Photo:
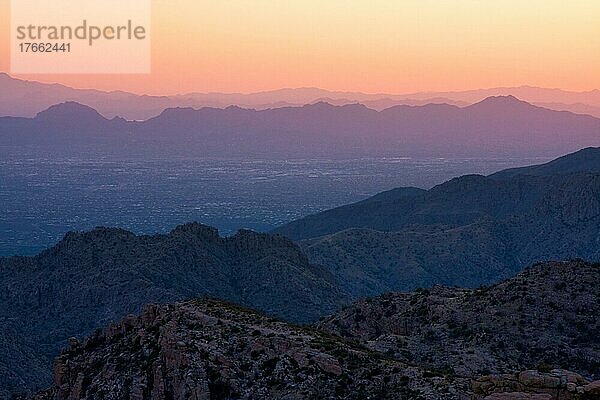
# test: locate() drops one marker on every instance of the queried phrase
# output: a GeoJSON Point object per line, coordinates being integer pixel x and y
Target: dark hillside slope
{"type": "Point", "coordinates": [459, 201]}
{"type": "Point", "coordinates": [584, 160]}
{"type": "Point", "coordinates": [548, 313]}
{"type": "Point", "coordinates": [451, 247]}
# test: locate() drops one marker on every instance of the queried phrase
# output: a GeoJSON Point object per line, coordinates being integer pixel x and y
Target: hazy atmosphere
{"type": "Point", "coordinates": [299, 200]}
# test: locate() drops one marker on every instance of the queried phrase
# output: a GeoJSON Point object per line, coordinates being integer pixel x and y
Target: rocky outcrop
{"type": "Point", "coordinates": [431, 344]}
{"type": "Point", "coordinates": [554, 385]}
{"type": "Point", "coordinates": [215, 350]}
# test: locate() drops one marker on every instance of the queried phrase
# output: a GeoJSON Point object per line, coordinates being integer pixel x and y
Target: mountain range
{"type": "Point", "coordinates": [496, 126]}
{"type": "Point", "coordinates": [468, 231]}
{"type": "Point", "coordinates": [455, 199]}
{"type": "Point", "coordinates": [22, 98]}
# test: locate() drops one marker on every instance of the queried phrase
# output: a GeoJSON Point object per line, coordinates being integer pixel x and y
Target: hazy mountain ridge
{"type": "Point", "coordinates": [26, 98]}
{"type": "Point", "coordinates": [585, 160]}
{"type": "Point", "coordinates": [459, 200]}
{"type": "Point", "coordinates": [495, 126]}
{"type": "Point", "coordinates": [90, 279]}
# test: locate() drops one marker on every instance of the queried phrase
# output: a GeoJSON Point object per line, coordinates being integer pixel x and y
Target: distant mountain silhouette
{"type": "Point", "coordinates": [495, 104]}
{"type": "Point", "coordinates": [495, 126]}
{"type": "Point", "coordinates": [467, 231]}
{"type": "Point", "coordinates": [69, 111]}
{"type": "Point", "coordinates": [71, 116]}
{"type": "Point", "coordinates": [587, 102]}
{"type": "Point", "coordinates": [26, 98]}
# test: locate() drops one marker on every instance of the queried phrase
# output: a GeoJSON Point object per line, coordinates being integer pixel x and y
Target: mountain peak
{"type": "Point", "coordinates": [319, 105]}
{"type": "Point", "coordinates": [355, 106]}
{"type": "Point", "coordinates": [502, 105]}
{"type": "Point", "coordinates": [176, 111]}
{"type": "Point", "coordinates": [326, 106]}
{"type": "Point", "coordinates": [509, 99]}
{"type": "Point", "coordinates": [70, 110]}
{"type": "Point", "coordinates": [234, 107]}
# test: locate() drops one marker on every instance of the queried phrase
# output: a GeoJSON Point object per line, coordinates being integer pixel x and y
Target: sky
{"type": "Point", "coordinates": [372, 46]}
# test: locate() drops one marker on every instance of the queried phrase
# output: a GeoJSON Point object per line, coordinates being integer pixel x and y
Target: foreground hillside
{"type": "Point", "coordinates": [469, 231]}
{"type": "Point", "coordinates": [549, 314]}
{"type": "Point", "coordinates": [90, 279]}
{"type": "Point", "coordinates": [431, 344]}
{"type": "Point", "coordinates": [214, 350]}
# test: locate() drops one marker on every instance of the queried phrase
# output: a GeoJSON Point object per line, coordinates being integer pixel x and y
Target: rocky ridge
{"type": "Point", "coordinates": [531, 337]}
{"type": "Point", "coordinates": [210, 349]}
{"type": "Point", "coordinates": [545, 315]}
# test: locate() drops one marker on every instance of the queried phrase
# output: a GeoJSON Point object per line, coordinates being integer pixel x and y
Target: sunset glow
{"type": "Point", "coordinates": [370, 46]}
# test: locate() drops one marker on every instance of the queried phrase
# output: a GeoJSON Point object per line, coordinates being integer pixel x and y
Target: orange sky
{"type": "Point", "coordinates": [393, 46]}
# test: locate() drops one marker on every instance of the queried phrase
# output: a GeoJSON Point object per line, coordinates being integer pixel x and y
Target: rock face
{"type": "Point", "coordinates": [546, 315]}
{"type": "Point", "coordinates": [90, 279]}
{"type": "Point", "coordinates": [214, 350]}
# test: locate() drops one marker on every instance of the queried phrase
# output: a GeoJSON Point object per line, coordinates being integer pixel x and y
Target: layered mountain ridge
{"type": "Point", "coordinates": [468, 231]}
{"type": "Point", "coordinates": [90, 279]}
{"type": "Point", "coordinates": [26, 98]}
{"type": "Point", "coordinates": [495, 126]}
